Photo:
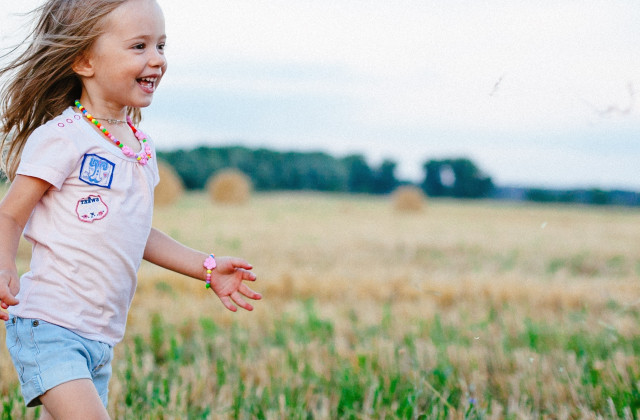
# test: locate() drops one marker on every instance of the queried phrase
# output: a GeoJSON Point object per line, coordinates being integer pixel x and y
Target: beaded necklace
{"type": "Point", "coordinates": [110, 121]}
{"type": "Point", "coordinates": [145, 150]}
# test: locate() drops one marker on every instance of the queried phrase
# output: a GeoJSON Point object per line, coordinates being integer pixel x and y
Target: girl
{"type": "Point", "coordinates": [82, 191]}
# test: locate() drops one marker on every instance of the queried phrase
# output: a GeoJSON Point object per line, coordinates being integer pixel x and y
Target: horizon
{"type": "Point", "coordinates": [403, 181]}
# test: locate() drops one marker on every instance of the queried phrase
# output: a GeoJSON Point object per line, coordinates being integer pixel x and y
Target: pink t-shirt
{"type": "Point", "coordinates": [89, 230]}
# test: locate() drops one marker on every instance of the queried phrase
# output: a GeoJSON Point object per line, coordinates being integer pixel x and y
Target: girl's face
{"type": "Point", "coordinates": [125, 65]}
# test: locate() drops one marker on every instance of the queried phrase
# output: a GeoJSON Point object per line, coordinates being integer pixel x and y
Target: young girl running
{"type": "Point", "coordinates": [82, 192]}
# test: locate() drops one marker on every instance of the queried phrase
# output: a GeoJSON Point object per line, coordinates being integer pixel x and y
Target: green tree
{"type": "Point", "coordinates": [432, 184]}
{"type": "Point", "coordinates": [459, 178]}
{"type": "Point", "coordinates": [360, 177]}
{"type": "Point", "coordinates": [385, 178]}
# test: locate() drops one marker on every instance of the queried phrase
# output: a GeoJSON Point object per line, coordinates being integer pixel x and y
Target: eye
{"type": "Point", "coordinates": [161, 46]}
{"type": "Point", "coordinates": [140, 46]}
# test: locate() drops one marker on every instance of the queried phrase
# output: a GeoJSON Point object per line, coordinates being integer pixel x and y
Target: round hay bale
{"type": "Point", "coordinates": [170, 188]}
{"type": "Point", "coordinates": [229, 186]}
{"type": "Point", "coordinates": [408, 198]}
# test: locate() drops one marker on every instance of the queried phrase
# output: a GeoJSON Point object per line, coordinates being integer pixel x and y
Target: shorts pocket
{"type": "Point", "coordinates": [43, 334]}
{"type": "Point", "coordinates": [14, 345]}
{"type": "Point", "coordinates": [12, 334]}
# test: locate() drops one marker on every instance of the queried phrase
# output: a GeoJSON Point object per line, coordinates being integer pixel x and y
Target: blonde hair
{"type": "Point", "coordinates": [39, 83]}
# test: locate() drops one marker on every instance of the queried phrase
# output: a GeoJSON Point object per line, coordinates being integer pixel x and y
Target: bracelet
{"type": "Point", "coordinates": [209, 264]}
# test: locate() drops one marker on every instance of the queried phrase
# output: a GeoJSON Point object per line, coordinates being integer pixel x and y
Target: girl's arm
{"type": "Point", "coordinates": [15, 210]}
{"type": "Point", "coordinates": [227, 279]}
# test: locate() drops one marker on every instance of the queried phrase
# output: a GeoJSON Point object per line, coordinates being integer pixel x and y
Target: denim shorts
{"type": "Point", "coordinates": [46, 355]}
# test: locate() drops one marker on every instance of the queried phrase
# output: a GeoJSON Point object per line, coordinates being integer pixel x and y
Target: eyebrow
{"type": "Point", "coordinates": [145, 37]}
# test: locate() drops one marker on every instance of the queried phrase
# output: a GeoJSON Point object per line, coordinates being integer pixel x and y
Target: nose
{"type": "Point", "coordinates": [157, 58]}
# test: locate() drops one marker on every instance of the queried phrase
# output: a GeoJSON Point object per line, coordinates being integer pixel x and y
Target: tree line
{"type": "Point", "coordinates": [271, 170]}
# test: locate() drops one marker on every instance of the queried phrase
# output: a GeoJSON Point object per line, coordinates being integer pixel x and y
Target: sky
{"type": "Point", "coordinates": [538, 93]}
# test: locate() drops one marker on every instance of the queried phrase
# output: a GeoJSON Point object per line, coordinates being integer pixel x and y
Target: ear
{"type": "Point", "coordinates": [82, 65]}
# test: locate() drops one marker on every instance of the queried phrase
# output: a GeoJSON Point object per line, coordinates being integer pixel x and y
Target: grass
{"type": "Point", "coordinates": [465, 310]}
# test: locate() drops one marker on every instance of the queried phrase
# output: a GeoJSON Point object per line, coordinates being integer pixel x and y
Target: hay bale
{"type": "Point", "coordinates": [408, 198]}
{"type": "Point", "coordinates": [229, 186]}
{"type": "Point", "coordinates": [170, 188]}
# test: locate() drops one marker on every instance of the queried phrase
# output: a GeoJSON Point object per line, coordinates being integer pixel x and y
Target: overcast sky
{"type": "Point", "coordinates": [536, 93]}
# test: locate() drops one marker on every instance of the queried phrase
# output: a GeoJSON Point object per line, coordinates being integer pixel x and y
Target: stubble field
{"type": "Point", "coordinates": [463, 310]}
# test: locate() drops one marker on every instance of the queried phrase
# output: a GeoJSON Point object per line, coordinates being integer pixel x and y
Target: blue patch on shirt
{"type": "Point", "coordinates": [96, 170]}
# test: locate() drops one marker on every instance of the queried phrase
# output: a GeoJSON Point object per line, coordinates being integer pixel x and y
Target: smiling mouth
{"type": "Point", "coordinates": [148, 84]}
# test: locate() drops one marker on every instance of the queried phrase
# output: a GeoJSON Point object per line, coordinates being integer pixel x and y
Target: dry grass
{"type": "Point", "coordinates": [229, 186]}
{"type": "Point", "coordinates": [463, 263]}
{"type": "Point", "coordinates": [460, 258]}
{"type": "Point", "coordinates": [489, 274]}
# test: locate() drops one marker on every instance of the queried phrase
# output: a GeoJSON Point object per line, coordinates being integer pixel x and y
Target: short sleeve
{"type": "Point", "coordinates": [48, 155]}
{"type": "Point", "coordinates": [154, 166]}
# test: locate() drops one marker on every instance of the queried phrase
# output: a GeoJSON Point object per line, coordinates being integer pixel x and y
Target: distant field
{"type": "Point", "coordinates": [464, 310]}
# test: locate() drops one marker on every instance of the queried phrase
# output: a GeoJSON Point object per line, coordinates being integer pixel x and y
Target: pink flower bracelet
{"type": "Point", "coordinates": [209, 264]}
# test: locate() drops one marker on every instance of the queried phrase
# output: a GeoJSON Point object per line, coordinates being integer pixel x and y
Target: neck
{"type": "Point", "coordinates": [104, 111]}
{"type": "Point", "coordinates": [110, 120]}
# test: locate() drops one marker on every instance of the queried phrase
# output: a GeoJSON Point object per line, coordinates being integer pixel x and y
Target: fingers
{"type": "Point", "coordinates": [236, 297]}
{"type": "Point", "coordinates": [226, 301]}
{"type": "Point", "coordinates": [7, 299]}
{"type": "Point", "coordinates": [240, 263]}
{"type": "Point", "coordinates": [3, 315]}
{"type": "Point", "coordinates": [239, 300]}
{"type": "Point", "coordinates": [245, 274]}
{"type": "Point", "coordinates": [248, 292]}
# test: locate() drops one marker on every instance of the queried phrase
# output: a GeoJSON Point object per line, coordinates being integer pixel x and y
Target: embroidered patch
{"type": "Point", "coordinates": [96, 170]}
{"type": "Point", "coordinates": [91, 208]}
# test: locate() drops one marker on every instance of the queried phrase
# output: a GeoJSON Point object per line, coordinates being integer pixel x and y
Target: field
{"type": "Point", "coordinates": [463, 310]}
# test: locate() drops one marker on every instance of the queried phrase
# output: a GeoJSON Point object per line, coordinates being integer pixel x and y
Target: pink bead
{"type": "Point", "coordinates": [210, 262]}
{"type": "Point", "coordinates": [146, 150]}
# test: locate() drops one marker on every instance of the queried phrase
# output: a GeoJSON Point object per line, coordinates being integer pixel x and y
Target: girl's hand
{"type": "Point", "coordinates": [227, 282]}
{"type": "Point", "coordinates": [9, 287]}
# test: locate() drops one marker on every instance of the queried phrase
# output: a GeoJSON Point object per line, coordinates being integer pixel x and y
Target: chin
{"type": "Point", "coordinates": [141, 103]}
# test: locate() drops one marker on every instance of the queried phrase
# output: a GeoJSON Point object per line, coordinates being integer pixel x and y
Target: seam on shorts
{"type": "Point", "coordinates": [32, 330]}
{"type": "Point", "coordinates": [105, 358]}
{"type": "Point", "coordinates": [15, 352]}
